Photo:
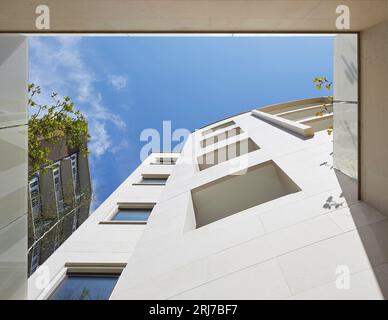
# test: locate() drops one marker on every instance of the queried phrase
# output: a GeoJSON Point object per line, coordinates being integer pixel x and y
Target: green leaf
{"type": "Point", "coordinates": [57, 122]}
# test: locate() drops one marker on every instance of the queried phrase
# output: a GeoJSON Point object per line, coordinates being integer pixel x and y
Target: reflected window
{"type": "Point", "coordinates": [85, 287]}
{"type": "Point", "coordinates": [35, 197]}
{"type": "Point", "coordinates": [134, 215]}
{"type": "Point", "coordinates": [58, 187]}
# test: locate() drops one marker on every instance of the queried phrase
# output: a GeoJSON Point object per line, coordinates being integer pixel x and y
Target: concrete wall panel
{"type": "Point", "coordinates": [374, 115]}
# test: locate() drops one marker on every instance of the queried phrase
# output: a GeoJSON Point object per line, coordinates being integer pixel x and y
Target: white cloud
{"type": "Point", "coordinates": [95, 200]}
{"type": "Point", "coordinates": [101, 140]}
{"type": "Point", "coordinates": [120, 147]}
{"type": "Point", "coordinates": [58, 64]}
{"type": "Point", "coordinates": [118, 82]}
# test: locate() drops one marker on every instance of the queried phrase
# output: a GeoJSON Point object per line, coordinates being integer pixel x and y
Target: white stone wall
{"type": "Point", "coordinates": [374, 113]}
{"type": "Point", "coordinates": [317, 243]}
{"type": "Point", "coordinates": [293, 247]}
{"type": "Point", "coordinates": [101, 243]}
{"type": "Point", "coordinates": [345, 83]}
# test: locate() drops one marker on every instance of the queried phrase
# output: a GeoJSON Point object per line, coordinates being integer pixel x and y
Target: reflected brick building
{"type": "Point", "coordinates": [58, 202]}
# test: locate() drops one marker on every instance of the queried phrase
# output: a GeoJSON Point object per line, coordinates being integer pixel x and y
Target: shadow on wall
{"type": "Point", "coordinates": [374, 235]}
{"type": "Point", "coordinates": [351, 70]}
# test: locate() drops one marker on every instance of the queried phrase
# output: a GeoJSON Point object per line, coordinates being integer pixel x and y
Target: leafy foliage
{"type": "Point", "coordinates": [50, 124]}
{"type": "Point", "coordinates": [322, 81]}
{"type": "Point", "coordinates": [319, 83]}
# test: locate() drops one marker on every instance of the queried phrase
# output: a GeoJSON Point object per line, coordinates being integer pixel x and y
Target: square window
{"type": "Point", "coordinates": [154, 181]}
{"type": "Point", "coordinates": [85, 287]}
{"type": "Point", "coordinates": [129, 213]}
{"type": "Point", "coordinates": [132, 215]}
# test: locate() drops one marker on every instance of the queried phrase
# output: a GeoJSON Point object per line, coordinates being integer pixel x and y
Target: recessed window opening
{"type": "Point", "coordinates": [165, 160]}
{"type": "Point", "coordinates": [219, 127]}
{"type": "Point", "coordinates": [259, 184]}
{"type": "Point", "coordinates": [129, 213]}
{"type": "Point", "coordinates": [221, 137]}
{"type": "Point", "coordinates": [153, 180]}
{"type": "Point", "coordinates": [132, 214]}
{"type": "Point", "coordinates": [87, 283]}
{"type": "Point", "coordinates": [226, 153]}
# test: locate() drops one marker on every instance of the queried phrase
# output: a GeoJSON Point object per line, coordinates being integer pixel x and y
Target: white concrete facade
{"type": "Point", "coordinates": [374, 111]}
{"type": "Point", "coordinates": [96, 241]}
{"type": "Point", "coordinates": [289, 248]}
{"type": "Point", "coordinates": [298, 245]}
{"type": "Point", "coordinates": [368, 17]}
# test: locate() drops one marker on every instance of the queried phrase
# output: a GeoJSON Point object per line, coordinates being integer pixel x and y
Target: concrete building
{"type": "Point", "coordinates": [304, 257]}
{"type": "Point", "coordinates": [252, 208]}
{"type": "Point", "coordinates": [58, 202]}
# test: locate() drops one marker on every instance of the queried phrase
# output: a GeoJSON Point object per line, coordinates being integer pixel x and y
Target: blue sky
{"type": "Point", "coordinates": [127, 84]}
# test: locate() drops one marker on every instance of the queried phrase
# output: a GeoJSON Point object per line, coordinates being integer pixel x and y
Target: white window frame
{"type": "Point", "coordinates": [77, 268]}
{"type": "Point", "coordinates": [127, 205]}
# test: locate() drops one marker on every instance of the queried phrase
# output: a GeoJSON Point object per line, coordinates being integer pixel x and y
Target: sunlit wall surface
{"type": "Point", "coordinates": [345, 135]}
